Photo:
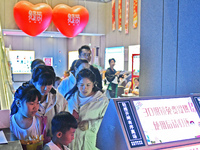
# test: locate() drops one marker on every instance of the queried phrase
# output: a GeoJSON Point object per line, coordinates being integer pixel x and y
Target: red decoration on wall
{"type": "Point", "coordinates": [120, 15]}
{"type": "Point", "coordinates": [135, 19]}
{"type": "Point", "coordinates": [70, 21]}
{"type": "Point", "coordinates": [32, 19]}
{"type": "Point", "coordinates": [113, 15]}
{"type": "Point", "coordinates": [126, 16]}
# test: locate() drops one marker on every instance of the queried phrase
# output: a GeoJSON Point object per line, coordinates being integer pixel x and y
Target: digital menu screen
{"type": "Point", "coordinates": [168, 120]}
{"type": "Point", "coordinates": [130, 124]}
{"type": "Point", "coordinates": [21, 61]}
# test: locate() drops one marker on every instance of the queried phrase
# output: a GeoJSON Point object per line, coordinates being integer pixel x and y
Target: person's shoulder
{"type": "Point", "coordinates": [94, 69]}
{"type": "Point", "coordinates": [101, 95]}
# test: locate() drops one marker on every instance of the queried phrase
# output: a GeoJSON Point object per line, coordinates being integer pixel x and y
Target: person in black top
{"type": "Point", "coordinates": [85, 53]}
{"type": "Point", "coordinates": [112, 77]}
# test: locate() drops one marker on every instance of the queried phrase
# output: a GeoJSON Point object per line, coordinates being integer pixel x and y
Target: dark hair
{"type": "Point", "coordinates": [62, 122]}
{"type": "Point", "coordinates": [79, 62]}
{"type": "Point", "coordinates": [44, 75]}
{"type": "Point", "coordinates": [57, 79]}
{"type": "Point", "coordinates": [111, 60]}
{"type": "Point", "coordinates": [35, 63]}
{"type": "Point", "coordinates": [72, 67]}
{"type": "Point", "coordinates": [85, 73]}
{"type": "Point", "coordinates": [137, 79]}
{"type": "Point", "coordinates": [76, 64]}
{"type": "Point", "coordinates": [26, 92]}
{"type": "Point", "coordinates": [83, 47]}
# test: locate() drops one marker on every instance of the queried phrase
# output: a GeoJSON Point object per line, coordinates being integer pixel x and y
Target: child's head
{"type": "Point", "coordinates": [43, 78]}
{"type": "Point", "coordinates": [63, 127]}
{"type": "Point", "coordinates": [66, 74]}
{"type": "Point", "coordinates": [136, 80]}
{"type": "Point", "coordinates": [35, 63]}
{"type": "Point", "coordinates": [26, 100]}
{"type": "Point", "coordinates": [86, 82]}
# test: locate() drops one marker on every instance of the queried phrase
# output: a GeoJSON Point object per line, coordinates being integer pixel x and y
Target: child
{"type": "Point", "coordinates": [23, 122]}
{"type": "Point", "coordinates": [63, 129]}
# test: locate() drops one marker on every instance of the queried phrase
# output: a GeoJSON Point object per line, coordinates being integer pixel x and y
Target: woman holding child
{"type": "Point", "coordinates": [88, 104]}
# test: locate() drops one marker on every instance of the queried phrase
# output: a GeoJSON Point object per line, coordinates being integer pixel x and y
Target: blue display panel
{"type": "Point", "coordinates": [130, 123]}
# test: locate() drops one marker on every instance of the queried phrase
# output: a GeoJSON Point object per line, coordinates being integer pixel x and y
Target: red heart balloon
{"type": "Point", "coordinates": [70, 21]}
{"type": "Point", "coordinates": [32, 19]}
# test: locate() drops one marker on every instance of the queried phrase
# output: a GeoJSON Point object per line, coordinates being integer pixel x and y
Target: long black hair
{"type": "Point", "coordinates": [26, 92]}
{"type": "Point", "coordinates": [85, 73]}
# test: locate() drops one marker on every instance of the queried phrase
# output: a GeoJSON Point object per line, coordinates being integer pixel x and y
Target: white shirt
{"type": "Point", "coordinates": [67, 84]}
{"type": "Point", "coordinates": [53, 146]}
{"type": "Point", "coordinates": [24, 134]}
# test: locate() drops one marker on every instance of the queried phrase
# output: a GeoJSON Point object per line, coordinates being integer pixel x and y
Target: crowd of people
{"type": "Point", "coordinates": [67, 111]}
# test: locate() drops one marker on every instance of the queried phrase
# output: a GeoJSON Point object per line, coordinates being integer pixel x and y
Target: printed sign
{"type": "Point", "coordinates": [130, 124]}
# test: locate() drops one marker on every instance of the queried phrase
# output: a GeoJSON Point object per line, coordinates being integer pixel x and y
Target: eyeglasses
{"type": "Point", "coordinates": [86, 54]}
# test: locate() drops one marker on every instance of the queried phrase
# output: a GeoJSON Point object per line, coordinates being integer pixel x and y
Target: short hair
{"type": "Point", "coordinates": [83, 47]}
{"type": "Point", "coordinates": [44, 75]}
{"type": "Point", "coordinates": [26, 92]}
{"type": "Point", "coordinates": [111, 60]}
{"type": "Point", "coordinates": [35, 63]}
{"type": "Point", "coordinates": [62, 122]}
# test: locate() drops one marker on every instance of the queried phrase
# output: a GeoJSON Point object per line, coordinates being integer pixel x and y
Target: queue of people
{"type": "Point", "coordinates": [64, 111]}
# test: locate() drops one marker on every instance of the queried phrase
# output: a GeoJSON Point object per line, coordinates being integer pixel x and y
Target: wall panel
{"type": "Point", "coordinates": [170, 47]}
{"type": "Point", "coordinates": [151, 47]}
{"type": "Point", "coordinates": [188, 71]}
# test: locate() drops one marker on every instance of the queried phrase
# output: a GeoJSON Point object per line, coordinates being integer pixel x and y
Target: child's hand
{"type": "Point", "coordinates": [83, 125]}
